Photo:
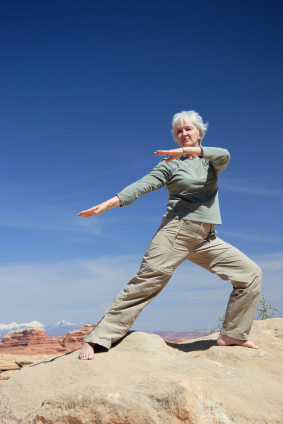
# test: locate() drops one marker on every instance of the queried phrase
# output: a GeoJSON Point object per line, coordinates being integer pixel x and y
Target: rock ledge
{"type": "Point", "coordinates": [143, 380]}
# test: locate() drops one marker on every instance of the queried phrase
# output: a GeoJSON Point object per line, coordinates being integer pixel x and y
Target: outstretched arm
{"type": "Point", "coordinates": [103, 207]}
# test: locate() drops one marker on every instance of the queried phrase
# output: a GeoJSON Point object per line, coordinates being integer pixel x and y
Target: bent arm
{"type": "Point", "coordinates": [218, 158]}
{"type": "Point", "coordinates": [103, 207]}
{"type": "Point", "coordinates": [178, 153]}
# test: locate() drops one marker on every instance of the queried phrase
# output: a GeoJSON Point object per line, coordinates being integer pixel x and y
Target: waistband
{"type": "Point", "coordinates": [204, 226]}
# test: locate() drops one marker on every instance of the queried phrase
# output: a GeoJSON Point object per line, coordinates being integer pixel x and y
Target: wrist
{"type": "Point", "coordinates": [117, 201]}
{"type": "Point", "coordinates": [112, 203]}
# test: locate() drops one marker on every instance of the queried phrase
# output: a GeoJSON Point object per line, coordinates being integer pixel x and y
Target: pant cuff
{"type": "Point", "coordinates": [97, 340]}
{"type": "Point", "coordinates": [238, 336]}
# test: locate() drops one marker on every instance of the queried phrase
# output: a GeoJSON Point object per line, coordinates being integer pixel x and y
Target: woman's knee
{"type": "Point", "coordinates": [248, 278]}
{"type": "Point", "coordinates": [257, 272]}
{"type": "Point", "coordinates": [149, 279]}
{"type": "Point", "coordinates": [259, 277]}
{"type": "Point", "coordinates": [253, 273]}
{"type": "Point", "coordinates": [255, 281]}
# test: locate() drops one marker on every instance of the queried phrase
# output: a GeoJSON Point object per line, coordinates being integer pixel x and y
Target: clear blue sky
{"type": "Point", "coordinates": [88, 91]}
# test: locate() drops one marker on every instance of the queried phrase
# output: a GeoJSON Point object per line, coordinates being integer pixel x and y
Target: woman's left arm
{"type": "Point", "coordinates": [178, 153]}
{"type": "Point", "coordinates": [218, 158]}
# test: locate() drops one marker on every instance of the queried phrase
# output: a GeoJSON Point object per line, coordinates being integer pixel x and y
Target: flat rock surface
{"type": "Point", "coordinates": [143, 380]}
{"type": "Point", "coordinates": [10, 364]}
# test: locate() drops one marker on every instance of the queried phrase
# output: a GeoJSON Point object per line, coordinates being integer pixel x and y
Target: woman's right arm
{"type": "Point", "coordinates": [150, 182]}
{"type": "Point", "coordinates": [153, 181]}
{"type": "Point", "coordinates": [103, 207]}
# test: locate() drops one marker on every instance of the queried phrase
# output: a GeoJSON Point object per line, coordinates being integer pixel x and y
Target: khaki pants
{"type": "Point", "coordinates": [175, 241]}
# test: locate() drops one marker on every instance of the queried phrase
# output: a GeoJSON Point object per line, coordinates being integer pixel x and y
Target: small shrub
{"type": "Point", "coordinates": [264, 311]}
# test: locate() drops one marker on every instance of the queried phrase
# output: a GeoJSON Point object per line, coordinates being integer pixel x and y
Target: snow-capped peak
{"type": "Point", "coordinates": [61, 327]}
{"type": "Point", "coordinates": [6, 328]}
{"type": "Point", "coordinates": [34, 324]}
{"type": "Point", "coordinates": [63, 322]}
{"type": "Point", "coordinates": [15, 326]}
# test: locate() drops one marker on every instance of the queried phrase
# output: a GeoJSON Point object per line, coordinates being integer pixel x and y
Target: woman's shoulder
{"type": "Point", "coordinates": [172, 165]}
{"type": "Point", "coordinates": [166, 168]}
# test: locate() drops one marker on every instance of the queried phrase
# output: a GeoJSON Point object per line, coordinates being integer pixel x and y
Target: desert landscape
{"type": "Point", "coordinates": [24, 347]}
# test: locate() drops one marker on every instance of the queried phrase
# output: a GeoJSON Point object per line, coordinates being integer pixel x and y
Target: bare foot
{"type": "Point", "coordinates": [227, 341]}
{"type": "Point", "coordinates": [87, 351]}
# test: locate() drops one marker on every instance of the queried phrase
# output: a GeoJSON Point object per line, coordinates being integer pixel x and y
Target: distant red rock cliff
{"type": "Point", "coordinates": [34, 341]}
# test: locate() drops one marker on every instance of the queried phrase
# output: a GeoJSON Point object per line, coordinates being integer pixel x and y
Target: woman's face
{"type": "Point", "coordinates": [187, 134]}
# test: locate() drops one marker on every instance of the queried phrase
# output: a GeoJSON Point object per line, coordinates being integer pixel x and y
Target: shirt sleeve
{"type": "Point", "coordinates": [218, 158]}
{"type": "Point", "coordinates": [150, 182]}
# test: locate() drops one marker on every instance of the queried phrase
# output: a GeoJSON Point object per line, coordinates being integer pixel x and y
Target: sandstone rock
{"type": "Point", "coordinates": [29, 341]}
{"type": "Point", "coordinates": [23, 337]}
{"type": "Point", "coordinates": [9, 363]}
{"type": "Point", "coordinates": [5, 375]}
{"type": "Point", "coordinates": [143, 380]}
{"type": "Point", "coordinates": [74, 339]}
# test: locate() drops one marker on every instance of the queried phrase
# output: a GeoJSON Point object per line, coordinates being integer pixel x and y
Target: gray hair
{"type": "Point", "coordinates": [190, 115]}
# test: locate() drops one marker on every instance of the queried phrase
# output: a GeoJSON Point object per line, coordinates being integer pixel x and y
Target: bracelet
{"type": "Point", "coordinates": [184, 152]}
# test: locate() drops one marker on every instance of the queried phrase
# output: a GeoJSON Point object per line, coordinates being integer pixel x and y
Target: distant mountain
{"type": "Point", "coordinates": [62, 327]}
{"type": "Point", "coordinates": [5, 329]}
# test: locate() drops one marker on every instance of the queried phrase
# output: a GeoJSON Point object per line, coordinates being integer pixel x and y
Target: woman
{"type": "Point", "coordinates": [190, 175]}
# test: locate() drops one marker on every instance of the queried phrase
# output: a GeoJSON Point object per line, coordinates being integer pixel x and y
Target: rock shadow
{"type": "Point", "coordinates": [193, 346]}
{"type": "Point", "coordinates": [184, 347]}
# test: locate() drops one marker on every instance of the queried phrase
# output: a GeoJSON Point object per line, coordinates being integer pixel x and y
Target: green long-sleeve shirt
{"type": "Point", "coordinates": [192, 185]}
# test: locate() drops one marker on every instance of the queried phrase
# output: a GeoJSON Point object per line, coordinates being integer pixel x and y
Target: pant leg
{"type": "Point", "coordinates": [229, 263]}
{"type": "Point", "coordinates": [156, 270]}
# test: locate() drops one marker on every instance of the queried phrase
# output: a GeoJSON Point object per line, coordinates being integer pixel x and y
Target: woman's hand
{"type": "Point", "coordinates": [103, 207]}
{"type": "Point", "coordinates": [173, 153]}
